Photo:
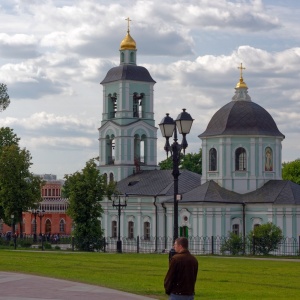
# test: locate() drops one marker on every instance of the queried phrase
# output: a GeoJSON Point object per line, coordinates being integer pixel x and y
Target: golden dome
{"type": "Point", "coordinates": [241, 84]}
{"type": "Point", "coordinates": [128, 43]}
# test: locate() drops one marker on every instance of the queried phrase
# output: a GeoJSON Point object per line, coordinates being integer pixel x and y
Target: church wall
{"type": "Point", "coordinates": [240, 181]}
{"type": "Point", "coordinates": [202, 220]}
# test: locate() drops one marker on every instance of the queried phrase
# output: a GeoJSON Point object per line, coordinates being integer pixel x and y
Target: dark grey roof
{"type": "Point", "coordinates": [161, 183]}
{"type": "Point", "coordinates": [128, 72]}
{"type": "Point", "coordinates": [158, 182]}
{"type": "Point", "coordinates": [241, 118]}
{"type": "Point", "coordinates": [276, 192]}
{"type": "Point", "coordinates": [210, 191]}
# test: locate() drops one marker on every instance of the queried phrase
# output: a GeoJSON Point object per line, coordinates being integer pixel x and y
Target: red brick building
{"type": "Point", "coordinates": [53, 219]}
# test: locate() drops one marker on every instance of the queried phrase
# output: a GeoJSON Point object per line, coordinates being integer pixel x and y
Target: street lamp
{"type": "Point", "coordinates": [34, 212]}
{"type": "Point", "coordinates": [168, 126]}
{"type": "Point", "coordinates": [12, 225]}
{"type": "Point", "coordinates": [41, 214]}
{"type": "Point", "coordinates": [119, 206]}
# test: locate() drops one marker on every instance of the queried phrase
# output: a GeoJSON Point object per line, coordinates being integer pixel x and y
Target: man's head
{"type": "Point", "coordinates": [181, 244]}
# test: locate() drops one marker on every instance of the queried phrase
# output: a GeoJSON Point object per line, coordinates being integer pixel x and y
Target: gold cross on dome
{"type": "Point", "coordinates": [241, 69]}
{"type": "Point", "coordinates": [128, 20]}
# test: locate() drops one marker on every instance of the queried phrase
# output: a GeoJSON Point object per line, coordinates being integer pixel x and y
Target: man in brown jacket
{"type": "Point", "coordinates": [181, 277]}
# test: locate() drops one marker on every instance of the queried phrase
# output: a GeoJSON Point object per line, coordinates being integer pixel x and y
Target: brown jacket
{"type": "Point", "coordinates": [182, 274]}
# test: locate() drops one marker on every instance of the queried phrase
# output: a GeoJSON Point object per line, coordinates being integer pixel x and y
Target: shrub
{"type": "Point", "coordinates": [47, 246]}
{"type": "Point", "coordinates": [265, 238]}
{"type": "Point", "coordinates": [233, 244]}
{"type": "Point", "coordinates": [24, 243]}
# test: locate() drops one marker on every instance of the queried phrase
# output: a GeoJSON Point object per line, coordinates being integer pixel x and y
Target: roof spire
{"type": "Point", "coordinates": [241, 89]}
{"type": "Point", "coordinates": [128, 42]}
{"type": "Point", "coordinates": [241, 83]}
{"type": "Point", "coordinates": [241, 68]}
{"type": "Point", "coordinates": [128, 20]}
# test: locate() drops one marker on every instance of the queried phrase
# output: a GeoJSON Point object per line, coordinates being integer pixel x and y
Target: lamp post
{"type": "Point", "coordinates": [34, 212]}
{"type": "Point", "coordinates": [12, 225]}
{"type": "Point", "coordinates": [168, 126]}
{"type": "Point", "coordinates": [41, 214]}
{"type": "Point", "coordinates": [119, 207]}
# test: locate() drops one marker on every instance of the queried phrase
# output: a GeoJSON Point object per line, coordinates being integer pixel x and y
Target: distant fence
{"type": "Point", "coordinates": [197, 245]}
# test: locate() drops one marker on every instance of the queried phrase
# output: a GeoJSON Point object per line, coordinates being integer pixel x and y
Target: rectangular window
{"type": "Point", "coordinates": [147, 231]}
{"type": "Point", "coordinates": [114, 229]}
{"type": "Point", "coordinates": [130, 230]}
{"type": "Point", "coordinates": [236, 229]}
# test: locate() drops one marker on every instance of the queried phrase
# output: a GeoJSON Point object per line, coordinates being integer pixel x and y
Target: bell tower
{"type": "Point", "coordinates": [127, 136]}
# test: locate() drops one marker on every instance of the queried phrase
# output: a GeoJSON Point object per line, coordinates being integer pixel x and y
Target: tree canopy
{"type": "Point", "coordinates": [189, 161]}
{"type": "Point", "coordinates": [19, 188]}
{"type": "Point", "coordinates": [291, 171]}
{"type": "Point", "coordinates": [85, 191]}
{"type": "Point", "coordinates": [4, 97]}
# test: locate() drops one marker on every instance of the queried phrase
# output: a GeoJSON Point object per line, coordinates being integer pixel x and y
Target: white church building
{"type": "Point", "coordinates": [240, 186]}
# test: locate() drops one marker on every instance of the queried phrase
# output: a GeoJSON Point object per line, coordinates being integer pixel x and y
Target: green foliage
{"type": "Point", "coordinates": [47, 246]}
{"type": "Point", "coordinates": [85, 191]}
{"type": "Point", "coordinates": [19, 188]}
{"type": "Point", "coordinates": [4, 97]}
{"type": "Point", "coordinates": [266, 238]}
{"type": "Point", "coordinates": [8, 137]}
{"type": "Point", "coordinates": [189, 161]}
{"type": "Point", "coordinates": [192, 162]}
{"type": "Point", "coordinates": [291, 171]}
{"type": "Point", "coordinates": [234, 244]}
{"type": "Point", "coordinates": [166, 164]}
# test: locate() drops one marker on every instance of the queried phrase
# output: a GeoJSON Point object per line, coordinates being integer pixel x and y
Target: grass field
{"type": "Point", "coordinates": [218, 278]}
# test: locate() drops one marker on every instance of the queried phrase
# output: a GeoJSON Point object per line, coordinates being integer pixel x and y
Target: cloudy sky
{"type": "Point", "coordinates": [55, 53]}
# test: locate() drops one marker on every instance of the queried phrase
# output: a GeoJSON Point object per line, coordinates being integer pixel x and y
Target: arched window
{"type": "Point", "coordinates": [48, 227]}
{"type": "Point", "coordinates": [212, 159]}
{"type": "Point", "coordinates": [112, 105]}
{"type": "Point", "coordinates": [122, 57]}
{"type": "Point", "coordinates": [132, 57]}
{"type": "Point", "coordinates": [62, 226]}
{"type": "Point", "coordinates": [147, 230]}
{"type": "Point", "coordinates": [110, 149]}
{"type": "Point", "coordinates": [114, 229]}
{"type": "Point", "coordinates": [130, 230]}
{"type": "Point", "coordinates": [105, 178]}
{"type": "Point", "coordinates": [268, 159]}
{"type": "Point", "coordinates": [240, 159]}
{"type": "Point", "coordinates": [111, 177]}
{"type": "Point", "coordinates": [138, 105]}
{"type": "Point", "coordinates": [236, 229]}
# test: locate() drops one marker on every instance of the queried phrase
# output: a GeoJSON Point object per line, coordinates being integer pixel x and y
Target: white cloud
{"type": "Point", "coordinates": [54, 54]}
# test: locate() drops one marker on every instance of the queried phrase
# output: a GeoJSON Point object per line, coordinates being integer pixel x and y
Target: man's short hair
{"type": "Point", "coordinates": [183, 242]}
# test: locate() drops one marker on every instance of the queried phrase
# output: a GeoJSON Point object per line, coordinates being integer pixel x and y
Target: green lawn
{"type": "Point", "coordinates": [218, 278]}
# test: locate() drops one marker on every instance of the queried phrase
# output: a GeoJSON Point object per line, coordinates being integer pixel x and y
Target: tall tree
{"type": "Point", "coordinates": [85, 191]}
{"type": "Point", "coordinates": [4, 97]}
{"type": "Point", "coordinates": [189, 161]}
{"type": "Point", "coordinates": [19, 188]}
{"type": "Point", "coordinates": [291, 171]}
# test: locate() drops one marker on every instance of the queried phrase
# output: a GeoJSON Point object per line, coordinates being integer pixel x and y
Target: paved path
{"type": "Point", "coordinates": [15, 286]}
